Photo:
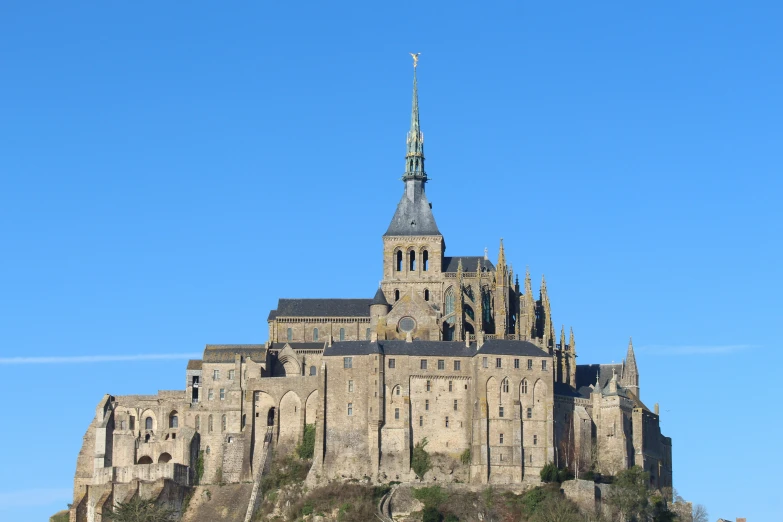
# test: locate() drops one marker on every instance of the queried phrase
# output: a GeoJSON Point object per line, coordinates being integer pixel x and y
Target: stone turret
{"type": "Point", "coordinates": [630, 377]}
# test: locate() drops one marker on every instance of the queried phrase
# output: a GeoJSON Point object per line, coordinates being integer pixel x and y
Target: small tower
{"type": "Point", "coordinates": [572, 360]}
{"type": "Point", "coordinates": [501, 293]}
{"type": "Point", "coordinates": [630, 375]}
{"type": "Point", "coordinates": [458, 305]}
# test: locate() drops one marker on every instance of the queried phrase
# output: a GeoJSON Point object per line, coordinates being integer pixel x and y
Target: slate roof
{"type": "Point", "coordinates": [224, 353]}
{"type": "Point", "coordinates": [435, 348]}
{"type": "Point", "coordinates": [380, 298]}
{"type": "Point", "coordinates": [321, 308]}
{"type": "Point", "coordinates": [413, 216]}
{"type": "Point", "coordinates": [194, 364]}
{"type": "Point", "coordinates": [299, 346]}
{"type": "Point", "coordinates": [585, 374]}
{"type": "Point", "coordinates": [469, 263]}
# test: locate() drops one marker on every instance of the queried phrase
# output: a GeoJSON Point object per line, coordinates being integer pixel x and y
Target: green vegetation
{"type": "Point", "coordinates": [138, 510]}
{"type": "Point", "coordinates": [420, 463]}
{"type": "Point", "coordinates": [353, 502]}
{"type": "Point", "coordinates": [61, 516]}
{"type": "Point", "coordinates": [200, 467]}
{"type": "Point", "coordinates": [549, 472]}
{"type": "Point", "coordinates": [283, 472]}
{"type": "Point", "coordinates": [306, 448]}
{"type": "Point", "coordinates": [465, 457]}
{"type": "Point", "coordinates": [432, 496]}
{"type": "Point", "coordinates": [632, 499]}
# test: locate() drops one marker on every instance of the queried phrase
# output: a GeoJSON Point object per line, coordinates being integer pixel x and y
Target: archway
{"type": "Point", "coordinates": [145, 460]}
{"type": "Point", "coordinates": [164, 457]}
{"type": "Point", "coordinates": [290, 419]}
{"type": "Point", "coordinates": [270, 417]}
{"type": "Point", "coordinates": [311, 407]}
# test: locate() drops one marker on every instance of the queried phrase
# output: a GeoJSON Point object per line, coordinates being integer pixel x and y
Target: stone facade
{"type": "Point", "coordinates": [450, 349]}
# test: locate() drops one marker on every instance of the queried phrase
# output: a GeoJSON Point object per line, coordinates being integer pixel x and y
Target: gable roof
{"type": "Point", "coordinates": [225, 353]}
{"type": "Point", "coordinates": [329, 307]}
{"type": "Point", "coordinates": [469, 263]}
{"type": "Point", "coordinates": [434, 348]}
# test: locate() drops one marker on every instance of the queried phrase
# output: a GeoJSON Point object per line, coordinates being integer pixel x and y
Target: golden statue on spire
{"type": "Point", "coordinates": [415, 59]}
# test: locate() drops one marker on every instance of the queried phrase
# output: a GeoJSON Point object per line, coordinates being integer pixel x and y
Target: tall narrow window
{"type": "Point", "coordinates": [148, 423]}
{"type": "Point", "coordinates": [289, 334]}
{"type": "Point", "coordinates": [173, 420]}
{"type": "Point", "coordinates": [350, 409]}
{"type": "Point", "coordinates": [516, 364]}
{"type": "Point", "coordinates": [132, 423]}
{"type": "Point", "coordinates": [222, 394]}
{"type": "Point", "coordinates": [530, 413]}
{"type": "Point", "coordinates": [501, 411]}
{"type": "Point", "coordinates": [543, 364]}
{"type": "Point", "coordinates": [399, 260]}
{"type": "Point", "coordinates": [231, 374]}
{"type": "Point", "coordinates": [315, 334]}
{"type": "Point", "coordinates": [484, 362]}
{"type": "Point", "coordinates": [342, 334]}
{"type": "Point", "coordinates": [530, 364]}
{"type": "Point", "coordinates": [456, 404]}
{"type": "Point", "coordinates": [223, 423]}
{"type": "Point", "coordinates": [449, 301]}
{"type": "Point", "coordinates": [198, 423]}
{"type": "Point", "coordinates": [426, 294]}
{"type": "Point", "coordinates": [350, 386]}
{"type": "Point", "coordinates": [216, 374]}
{"type": "Point", "coordinates": [505, 385]}
{"type": "Point", "coordinates": [412, 265]}
{"type": "Point", "coordinates": [456, 365]}
{"type": "Point", "coordinates": [429, 386]}
{"type": "Point", "coordinates": [501, 438]}
{"type": "Point", "coordinates": [421, 420]}
{"type": "Point", "coordinates": [447, 422]}
{"type": "Point", "coordinates": [398, 390]}
{"type": "Point", "coordinates": [367, 334]}
{"type": "Point", "coordinates": [397, 413]}
{"type": "Point", "coordinates": [313, 370]}
{"type": "Point", "coordinates": [396, 295]}
{"type": "Point", "coordinates": [427, 404]}
{"type": "Point", "coordinates": [498, 363]}
{"type": "Point", "coordinates": [523, 388]}
{"type": "Point", "coordinates": [451, 384]}
{"type": "Point", "coordinates": [425, 260]}
{"type": "Point", "coordinates": [535, 439]}
{"type": "Point", "coordinates": [209, 424]}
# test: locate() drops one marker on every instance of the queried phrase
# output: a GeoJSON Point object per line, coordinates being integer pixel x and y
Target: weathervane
{"type": "Point", "coordinates": [415, 59]}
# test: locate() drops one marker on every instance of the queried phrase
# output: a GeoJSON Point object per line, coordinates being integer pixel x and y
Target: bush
{"type": "Point", "coordinates": [590, 475]}
{"type": "Point", "coordinates": [465, 457]}
{"type": "Point", "coordinates": [420, 463]}
{"type": "Point", "coordinates": [549, 473]}
{"type": "Point", "coordinates": [138, 510]}
{"type": "Point", "coordinates": [306, 448]}
{"type": "Point", "coordinates": [431, 514]}
{"type": "Point", "coordinates": [564, 474]}
{"type": "Point", "coordinates": [200, 467]}
{"type": "Point", "coordinates": [432, 496]}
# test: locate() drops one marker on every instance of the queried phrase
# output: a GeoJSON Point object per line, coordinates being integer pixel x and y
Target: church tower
{"type": "Point", "coordinates": [412, 245]}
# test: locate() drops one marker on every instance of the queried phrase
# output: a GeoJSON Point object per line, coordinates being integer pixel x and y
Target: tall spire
{"type": "Point", "coordinates": [414, 158]}
{"type": "Point", "coordinates": [631, 371]}
{"type": "Point", "coordinates": [414, 213]}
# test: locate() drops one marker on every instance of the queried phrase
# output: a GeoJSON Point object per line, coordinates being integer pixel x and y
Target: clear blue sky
{"type": "Point", "coordinates": [168, 170]}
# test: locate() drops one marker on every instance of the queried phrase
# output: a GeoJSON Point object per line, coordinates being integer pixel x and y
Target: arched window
{"type": "Point", "coordinates": [450, 301]}
{"type": "Point", "coordinates": [523, 388]}
{"type": "Point", "coordinates": [505, 385]}
{"type": "Point", "coordinates": [198, 423]}
{"type": "Point", "coordinates": [164, 457]}
{"type": "Point", "coordinates": [289, 334]}
{"type": "Point", "coordinates": [312, 370]}
{"type": "Point", "coordinates": [412, 257]}
{"type": "Point", "coordinates": [425, 260]}
{"type": "Point", "coordinates": [146, 459]}
{"type": "Point", "coordinates": [315, 334]}
{"type": "Point", "coordinates": [173, 420]}
{"type": "Point", "coordinates": [396, 295]}
{"type": "Point", "coordinates": [209, 424]}
{"type": "Point", "coordinates": [426, 294]}
{"type": "Point", "coordinates": [342, 334]}
{"type": "Point", "coordinates": [399, 260]}
{"type": "Point", "coordinates": [223, 423]}
{"type": "Point", "coordinates": [148, 423]}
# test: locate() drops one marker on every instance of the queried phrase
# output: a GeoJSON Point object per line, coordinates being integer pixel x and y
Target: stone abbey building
{"type": "Point", "coordinates": [453, 349]}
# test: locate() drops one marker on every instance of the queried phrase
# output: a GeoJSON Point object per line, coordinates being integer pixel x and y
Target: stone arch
{"type": "Point", "coordinates": [153, 423]}
{"type": "Point", "coordinates": [263, 403]}
{"type": "Point", "coordinates": [290, 364]}
{"type": "Point", "coordinates": [290, 426]}
{"type": "Point", "coordinates": [164, 457]}
{"type": "Point", "coordinates": [311, 407]}
{"type": "Point", "coordinates": [173, 419]}
{"type": "Point", "coordinates": [146, 459]}
{"type": "Point", "coordinates": [524, 389]}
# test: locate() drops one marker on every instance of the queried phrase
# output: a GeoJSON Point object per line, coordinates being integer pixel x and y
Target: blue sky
{"type": "Point", "coordinates": [169, 170]}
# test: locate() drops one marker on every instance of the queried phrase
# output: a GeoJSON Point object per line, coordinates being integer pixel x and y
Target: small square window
{"type": "Point", "coordinates": [391, 363]}
{"type": "Point", "coordinates": [423, 363]}
{"type": "Point", "coordinates": [456, 366]}
{"type": "Point", "coordinates": [222, 394]}
{"type": "Point", "coordinates": [347, 362]}
{"type": "Point", "coordinates": [543, 364]}
{"type": "Point", "coordinates": [484, 363]}
{"type": "Point", "coordinates": [501, 411]}
{"type": "Point", "coordinates": [231, 375]}
{"type": "Point", "coordinates": [350, 386]}
{"type": "Point", "coordinates": [441, 364]}
{"type": "Point", "coordinates": [516, 364]}
{"type": "Point", "coordinates": [530, 364]}
{"type": "Point", "coordinates": [215, 375]}
{"type": "Point", "coordinates": [498, 363]}
{"type": "Point", "coordinates": [350, 409]}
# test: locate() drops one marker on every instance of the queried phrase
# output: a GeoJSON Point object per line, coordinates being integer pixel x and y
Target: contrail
{"type": "Point", "coordinates": [86, 359]}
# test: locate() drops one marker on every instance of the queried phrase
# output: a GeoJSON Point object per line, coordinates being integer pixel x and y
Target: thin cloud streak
{"type": "Point", "coordinates": [89, 359]}
{"type": "Point", "coordinates": [695, 349]}
{"type": "Point", "coordinates": [35, 497]}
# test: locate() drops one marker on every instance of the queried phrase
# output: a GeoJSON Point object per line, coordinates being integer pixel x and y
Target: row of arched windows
{"type": "Point", "coordinates": [425, 260]}
{"type": "Point", "coordinates": [223, 423]}
{"type": "Point", "coordinates": [149, 422]}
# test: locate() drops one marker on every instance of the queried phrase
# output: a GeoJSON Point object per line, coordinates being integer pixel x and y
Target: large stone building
{"type": "Point", "coordinates": [450, 348]}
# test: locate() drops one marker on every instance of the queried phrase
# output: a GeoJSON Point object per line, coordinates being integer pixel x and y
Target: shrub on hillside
{"type": "Point", "coordinates": [138, 510]}
{"type": "Point", "coordinates": [306, 448]}
{"type": "Point", "coordinates": [549, 473]}
{"type": "Point", "coordinates": [420, 463]}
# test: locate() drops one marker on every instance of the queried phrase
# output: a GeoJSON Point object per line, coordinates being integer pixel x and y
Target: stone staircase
{"type": "Point", "coordinates": [259, 471]}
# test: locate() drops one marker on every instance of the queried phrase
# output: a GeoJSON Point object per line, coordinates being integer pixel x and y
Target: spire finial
{"type": "Point", "coordinates": [414, 158]}
{"type": "Point", "coordinates": [415, 60]}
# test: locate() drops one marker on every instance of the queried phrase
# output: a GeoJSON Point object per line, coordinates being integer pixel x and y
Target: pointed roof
{"type": "Point", "coordinates": [630, 358]}
{"type": "Point", "coordinates": [379, 299]}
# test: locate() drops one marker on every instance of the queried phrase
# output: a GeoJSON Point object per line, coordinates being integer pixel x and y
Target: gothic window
{"type": "Point", "coordinates": [523, 388]}
{"type": "Point", "coordinates": [342, 334]}
{"type": "Point", "coordinates": [412, 257]}
{"type": "Point", "coordinates": [425, 260]}
{"type": "Point", "coordinates": [148, 423]}
{"type": "Point", "coordinates": [449, 301]}
{"type": "Point", "coordinates": [505, 385]}
{"type": "Point", "coordinates": [399, 260]}
{"type": "Point", "coordinates": [315, 334]}
{"type": "Point", "coordinates": [426, 295]}
{"type": "Point", "coordinates": [173, 420]}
